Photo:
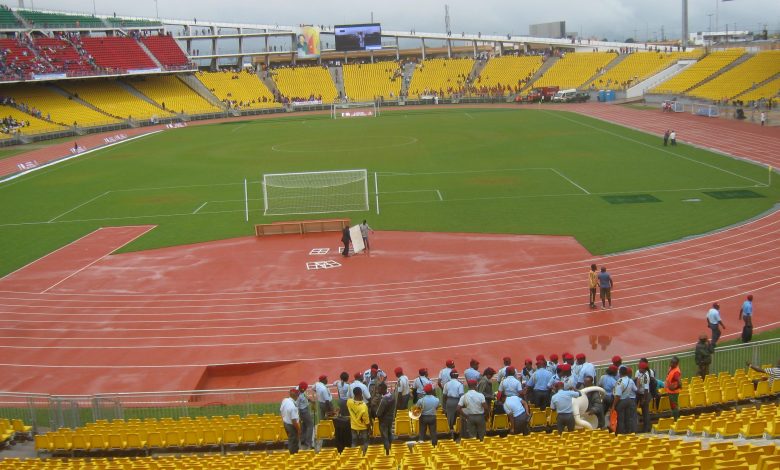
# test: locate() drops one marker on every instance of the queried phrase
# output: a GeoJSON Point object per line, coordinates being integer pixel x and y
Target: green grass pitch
{"type": "Point", "coordinates": [497, 171]}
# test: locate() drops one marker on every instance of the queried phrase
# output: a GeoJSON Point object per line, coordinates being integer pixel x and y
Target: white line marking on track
{"type": "Point", "coordinates": [570, 180]}
{"type": "Point", "coordinates": [80, 205]}
{"type": "Point", "coordinates": [49, 254]}
{"type": "Point", "coordinates": [200, 207]}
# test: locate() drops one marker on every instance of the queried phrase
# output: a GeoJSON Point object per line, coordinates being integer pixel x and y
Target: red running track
{"type": "Point", "coordinates": [155, 320]}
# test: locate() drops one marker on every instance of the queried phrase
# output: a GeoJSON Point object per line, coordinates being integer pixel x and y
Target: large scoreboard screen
{"type": "Point", "coordinates": [358, 37]}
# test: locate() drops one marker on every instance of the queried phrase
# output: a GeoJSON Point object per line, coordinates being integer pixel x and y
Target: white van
{"type": "Point", "coordinates": [564, 96]}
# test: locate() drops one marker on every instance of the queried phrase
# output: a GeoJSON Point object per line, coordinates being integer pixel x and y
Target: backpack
{"type": "Point", "coordinates": [653, 384]}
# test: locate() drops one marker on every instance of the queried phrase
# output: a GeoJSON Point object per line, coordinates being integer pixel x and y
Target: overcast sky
{"type": "Point", "coordinates": [613, 19]}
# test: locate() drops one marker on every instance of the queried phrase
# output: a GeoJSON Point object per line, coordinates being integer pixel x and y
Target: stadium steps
{"type": "Point", "coordinates": [408, 71]}
{"type": "Point", "coordinates": [760, 84]}
{"type": "Point", "coordinates": [730, 66]}
{"type": "Point", "coordinates": [638, 90]}
{"type": "Point", "coordinates": [149, 53]}
{"type": "Point", "coordinates": [337, 75]}
{"type": "Point", "coordinates": [76, 99]}
{"type": "Point", "coordinates": [270, 83]}
{"type": "Point", "coordinates": [478, 66]}
{"type": "Point", "coordinates": [542, 70]}
{"type": "Point", "coordinates": [191, 81]}
{"type": "Point", "coordinates": [620, 58]}
{"type": "Point", "coordinates": [19, 17]}
{"type": "Point", "coordinates": [131, 89]}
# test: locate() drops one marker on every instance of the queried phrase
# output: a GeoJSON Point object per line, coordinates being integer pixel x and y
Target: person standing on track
{"type": "Point", "coordinates": [605, 287]}
{"type": "Point", "coordinates": [673, 138]}
{"type": "Point", "coordinates": [666, 137]}
{"type": "Point", "coordinates": [746, 315]}
{"type": "Point", "coordinates": [593, 283]}
{"type": "Point", "coordinates": [714, 323]}
{"type": "Point", "coordinates": [364, 229]}
{"type": "Point", "coordinates": [346, 238]}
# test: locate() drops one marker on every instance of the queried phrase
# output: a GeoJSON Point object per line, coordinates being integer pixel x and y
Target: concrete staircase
{"type": "Point", "coordinates": [198, 87]}
{"type": "Point", "coordinates": [407, 78]}
{"type": "Point", "coordinates": [544, 68]}
{"type": "Point", "coordinates": [479, 65]}
{"type": "Point", "coordinates": [730, 66]}
{"type": "Point", "coordinates": [620, 58]}
{"type": "Point", "coordinates": [640, 88]}
{"type": "Point", "coordinates": [19, 17]}
{"type": "Point", "coordinates": [337, 74]}
{"type": "Point", "coordinates": [149, 53]}
{"type": "Point", "coordinates": [78, 100]}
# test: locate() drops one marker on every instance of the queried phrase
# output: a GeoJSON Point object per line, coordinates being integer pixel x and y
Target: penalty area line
{"type": "Point", "coordinates": [438, 193]}
{"type": "Point", "coordinates": [570, 180]}
{"type": "Point", "coordinates": [80, 205]}
{"type": "Point", "coordinates": [200, 207]}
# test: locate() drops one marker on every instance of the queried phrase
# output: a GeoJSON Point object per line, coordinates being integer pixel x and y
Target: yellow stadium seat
{"type": "Point", "coordinates": [326, 430]}
{"type": "Point", "coordinates": [241, 90]}
{"type": "Point", "coordinates": [762, 388]}
{"type": "Point", "coordinates": [746, 391]}
{"type": "Point", "coordinates": [250, 435]}
{"type": "Point", "coordinates": [115, 442]}
{"type": "Point", "coordinates": [305, 83]}
{"type": "Point", "coordinates": [574, 69]}
{"type": "Point", "coordinates": [500, 423]}
{"type": "Point", "coordinates": [171, 93]}
{"type": "Point", "coordinates": [135, 442]}
{"type": "Point", "coordinates": [698, 72]}
{"type": "Point", "coordinates": [43, 443]}
{"type": "Point", "coordinates": [193, 438]}
{"type": "Point", "coordinates": [442, 77]}
{"type": "Point", "coordinates": [60, 443]}
{"type": "Point", "coordinates": [367, 82]}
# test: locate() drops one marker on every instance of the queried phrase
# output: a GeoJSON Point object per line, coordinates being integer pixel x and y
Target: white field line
{"type": "Point", "coordinates": [200, 207]}
{"type": "Point", "coordinates": [95, 261]}
{"type": "Point", "coordinates": [620, 136]}
{"type": "Point", "coordinates": [80, 205]}
{"type": "Point", "coordinates": [439, 194]}
{"type": "Point", "coordinates": [469, 115]}
{"type": "Point", "coordinates": [570, 180]}
{"type": "Point", "coordinates": [49, 254]}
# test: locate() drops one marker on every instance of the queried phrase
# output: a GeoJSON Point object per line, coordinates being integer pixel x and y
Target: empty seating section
{"type": "Point", "coordinates": [127, 22]}
{"type": "Point", "coordinates": [37, 126]}
{"type": "Point", "coordinates": [586, 450]}
{"type": "Point", "coordinates": [117, 53]}
{"type": "Point", "coordinates": [699, 71]}
{"type": "Point", "coordinates": [166, 50]}
{"type": "Point", "coordinates": [305, 83]}
{"type": "Point", "coordinates": [8, 20]}
{"type": "Point", "coordinates": [243, 90]}
{"type": "Point", "coordinates": [19, 61]}
{"type": "Point", "coordinates": [508, 73]}
{"type": "Point", "coordinates": [111, 97]}
{"type": "Point", "coordinates": [768, 90]}
{"type": "Point", "coordinates": [55, 20]}
{"type": "Point", "coordinates": [63, 110]}
{"type": "Point", "coordinates": [171, 93]}
{"type": "Point", "coordinates": [441, 77]}
{"type": "Point", "coordinates": [574, 69]}
{"type": "Point", "coordinates": [639, 66]}
{"type": "Point", "coordinates": [365, 82]}
{"type": "Point", "coordinates": [62, 55]}
{"type": "Point", "coordinates": [762, 66]}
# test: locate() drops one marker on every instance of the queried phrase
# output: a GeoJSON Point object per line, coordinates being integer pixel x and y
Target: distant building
{"type": "Point", "coordinates": [706, 38]}
{"type": "Point", "coordinates": [554, 30]}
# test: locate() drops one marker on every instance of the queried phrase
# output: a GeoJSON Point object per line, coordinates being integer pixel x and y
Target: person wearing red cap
{"type": "Point", "coordinates": [307, 422]}
{"type": "Point", "coordinates": [584, 369]}
{"type": "Point", "coordinates": [714, 323]}
{"type": "Point", "coordinates": [538, 387]}
{"type": "Point", "coordinates": [485, 387]}
{"type": "Point", "coordinates": [342, 388]}
{"type": "Point", "coordinates": [472, 373]}
{"type": "Point", "coordinates": [502, 371]}
{"type": "Point", "coordinates": [358, 383]}
{"type": "Point", "coordinates": [510, 386]}
{"type": "Point", "coordinates": [593, 284]}
{"type": "Point", "coordinates": [644, 378]}
{"type": "Point", "coordinates": [673, 384]}
{"type": "Point", "coordinates": [418, 386]}
{"type": "Point", "coordinates": [385, 413]}
{"type": "Point", "coordinates": [373, 375]}
{"type": "Point", "coordinates": [472, 408]}
{"type": "Point", "coordinates": [402, 389]}
{"type": "Point", "coordinates": [624, 402]}
{"type": "Point", "coordinates": [444, 374]}
{"type": "Point", "coordinates": [552, 364]}
{"type": "Point", "coordinates": [561, 401]}
{"type": "Point", "coordinates": [568, 358]}
{"type": "Point", "coordinates": [617, 361]}
{"type": "Point", "coordinates": [428, 405]}
{"type": "Point", "coordinates": [564, 372]}
{"type": "Point", "coordinates": [324, 398]}
{"type": "Point", "coordinates": [359, 421]}
{"type": "Point", "coordinates": [607, 382]}
{"type": "Point", "coordinates": [526, 371]}
{"type": "Point", "coordinates": [290, 419]}
{"type": "Point", "coordinates": [451, 394]}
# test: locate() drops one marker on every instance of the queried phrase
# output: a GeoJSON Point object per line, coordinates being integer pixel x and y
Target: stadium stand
{"type": "Point", "coordinates": [239, 90]}
{"type": "Point", "coordinates": [574, 69]}
{"type": "Point", "coordinates": [62, 109]}
{"type": "Point", "coordinates": [305, 84]}
{"type": "Point", "coordinates": [762, 66]}
{"type": "Point", "coordinates": [639, 66]}
{"type": "Point", "coordinates": [766, 91]}
{"type": "Point", "coordinates": [507, 74]}
{"type": "Point", "coordinates": [366, 82]}
{"type": "Point", "coordinates": [63, 56]}
{"type": "Point", "coordinates": [57, 20]}
{"type": "Point", "coordinates": [117, 53]}
{"type": "Point", "coordinates": [7, 19]}
{"type": "Point", "coordinates": [700, 71]}
{"type": "Point", "coordinates": [13, 119]}
{"type": "Point", "coordinates": [111, 97]}
{"type": "Point", "coordinates": [19, 61]}
{"type": "Point", "coordinates": [441, 77]}
{"type": "Point", "coordinates": [126, 22]}
{"type": "Point", "coordinates": [173, 94]}
{"type": "Point", "coordinates": [166, 50]}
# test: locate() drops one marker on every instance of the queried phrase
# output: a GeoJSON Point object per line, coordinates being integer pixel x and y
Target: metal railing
{"type": "Point", "coordinates": [54, 412]}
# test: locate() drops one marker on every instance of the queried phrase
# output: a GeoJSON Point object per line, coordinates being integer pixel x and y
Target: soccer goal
{"type": "Point", "coordinates": [348, 110]}
{"type": "Point", "coordinates": [315, 192]}
{"type": "Point", "coordinates": [677, 107]}
{"type": "Point", "coordinates": [707, 110]}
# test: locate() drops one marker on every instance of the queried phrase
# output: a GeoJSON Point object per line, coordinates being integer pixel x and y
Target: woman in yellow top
{"type": "Point", "coordinates": [593, 282]}
{"type": "Point", "coordinates": [359, 421]}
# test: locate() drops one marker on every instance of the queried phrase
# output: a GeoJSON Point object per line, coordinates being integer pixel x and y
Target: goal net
{"type": "Point", "coordinates": [315, 192]}
{"type": "Point", "coordinates": [677, 107]}
{"type": "Point", "coordinates": [348, 110]}
{"type": "Point", "coordinates": [707, 110]}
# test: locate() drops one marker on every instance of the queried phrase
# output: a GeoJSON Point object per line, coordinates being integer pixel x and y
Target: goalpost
{"type": "Point", "coordinates": [707, 110]}
{"type": "Point", "coordinates": [347, 110]}
{"type": "Point", "coordinates": [315, 192]}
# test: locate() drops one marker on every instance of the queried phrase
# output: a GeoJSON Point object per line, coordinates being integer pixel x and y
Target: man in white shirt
{"type": "Point", "coordinates": [585, 368]}
{"type": "Point", "coordinates": [502, 371]}
{"type": "Point", "coordinates": [402, 389]}
{"type": "Point", "coordinates": [324, 398]}
{"type": "Point", "coordinates": [444, 374]}
{"type": "Point", "coordinates": [357, 383]}
{"type": "Point", "coordinates": [517, 410]}
{"type": "Point", "coordinates": [714, 323]}
{"type": "Point", "coordinates": [289, 412]}
{"type": "Point", "coordinates": [472, 408]}
{"type": "Point", "coordinates": [451, 394]}
{"type": "Point", "coordinates": [510, 386]}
